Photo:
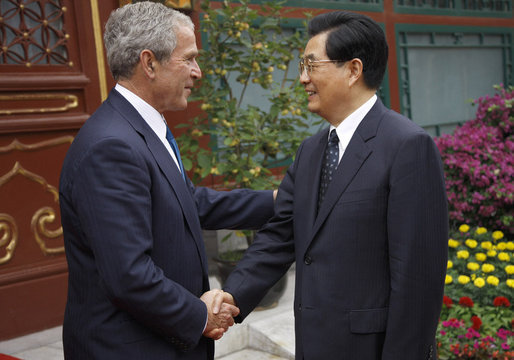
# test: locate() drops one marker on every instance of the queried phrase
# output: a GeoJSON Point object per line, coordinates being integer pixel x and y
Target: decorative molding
{"type": "Point", "coordinates": [42, 216]}
{"type": "Point", "coordinates": [9, 236]}
{"type": "Point", "coordinates": [35, 271]}
{"type": "Point", "coordinates": [18, 169]}
{"type": "Point", "coordinates": [40, 219]}
{"type": "Point", "coordinates": [72, 102]}
{"type": "Point", "coordinates": [97, 30]}
{"type": "Point", "coordinates": [17, 145]}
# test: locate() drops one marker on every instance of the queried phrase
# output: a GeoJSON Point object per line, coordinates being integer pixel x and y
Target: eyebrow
{"type": "Point", "coordinates": [310, 57]}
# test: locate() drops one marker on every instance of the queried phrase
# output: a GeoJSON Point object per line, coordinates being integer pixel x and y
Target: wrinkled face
{"type": "Point", "coordinates": [325, 83]}
{"type": "Point", "coordinates": [174, 78]}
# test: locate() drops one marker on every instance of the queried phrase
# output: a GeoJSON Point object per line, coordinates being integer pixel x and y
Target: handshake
{"type": "Point", "coordinates": [221, 310]}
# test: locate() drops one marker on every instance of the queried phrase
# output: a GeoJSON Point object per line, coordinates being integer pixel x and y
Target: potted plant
{"type": "Point", "coordinates": [251, 98]}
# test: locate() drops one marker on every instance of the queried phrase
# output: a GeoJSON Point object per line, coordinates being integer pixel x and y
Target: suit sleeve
{"type": "Point", "coordinates": [270, 255]}
{"type": "Point", "coordinates": [236, 209]}
{"type": "Point", "coordinates": [111, 195]}
{"type": "Point", "coordinates": [417, 225]}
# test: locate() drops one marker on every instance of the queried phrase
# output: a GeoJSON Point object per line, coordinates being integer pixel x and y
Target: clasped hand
{"type": "Point", "coordinates": [221, 310]}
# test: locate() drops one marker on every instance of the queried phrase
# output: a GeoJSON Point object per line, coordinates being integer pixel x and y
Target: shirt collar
{"type": "Point", "coordinates": [347, 127]}
{"type": "Point", "coordinates": [152, 117]}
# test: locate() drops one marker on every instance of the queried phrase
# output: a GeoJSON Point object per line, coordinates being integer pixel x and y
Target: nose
{"type": "Point", "coordinates": [196, 73]}
{"type": "Point", "coordinates": [304, 77]}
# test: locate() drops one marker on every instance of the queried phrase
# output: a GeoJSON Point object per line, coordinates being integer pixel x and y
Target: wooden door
{"type": "Point", "coordinates": [52, 77]}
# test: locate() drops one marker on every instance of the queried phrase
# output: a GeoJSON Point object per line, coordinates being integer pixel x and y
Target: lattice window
{"type": "Point", "coordinates": [458, 5]}
{"type": "Point", "coordinates": [32, 33]}
{"type": "Point", "coordinates": [441, 68]}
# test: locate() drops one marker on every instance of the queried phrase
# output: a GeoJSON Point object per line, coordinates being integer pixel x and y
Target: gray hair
{"type": "Point", "coordinates": [136, 27]}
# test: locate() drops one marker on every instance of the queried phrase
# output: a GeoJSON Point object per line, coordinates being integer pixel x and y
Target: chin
{"type": "Point", "coordinates": [313, 108]}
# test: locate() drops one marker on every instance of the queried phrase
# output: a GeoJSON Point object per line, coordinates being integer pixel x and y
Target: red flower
{"type": "Point", "coordinates": [476, 322]}
{"type": "Point", "coordinates": [447, 301]}
{"type": "Point", "coordinates": [501, 301]}
{"type": "Point", "coordinates": [466, 301]}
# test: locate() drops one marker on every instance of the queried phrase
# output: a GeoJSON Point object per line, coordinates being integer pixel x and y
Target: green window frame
{"type": "Point", "coordinates": [358, 5]}
{"type": "Point", "coordinates": [478, 8]}
{"type": "Point", "coordinates": [403, 30]}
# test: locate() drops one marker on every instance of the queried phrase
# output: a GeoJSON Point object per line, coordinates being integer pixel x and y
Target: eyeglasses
{"type": "Point", "coordinates": [308, 64]}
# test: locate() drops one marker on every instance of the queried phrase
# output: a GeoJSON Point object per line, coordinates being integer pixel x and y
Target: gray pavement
{"type": "Point", "coordinates": [265, 334]}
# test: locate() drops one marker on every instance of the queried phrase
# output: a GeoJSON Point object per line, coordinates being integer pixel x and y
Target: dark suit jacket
{"type": "Point", "coordinates": [370, 266]}
{"type": "Point", "coordinates": [132, 232]}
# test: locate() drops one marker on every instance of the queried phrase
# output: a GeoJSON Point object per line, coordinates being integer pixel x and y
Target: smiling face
{"type": "Point", "coordinates": [327, 85]}
{"type": "Point", "coordinates": [174, 78]}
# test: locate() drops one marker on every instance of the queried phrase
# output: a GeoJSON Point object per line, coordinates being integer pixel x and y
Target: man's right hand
{"type": "Point", "coordinates": [221, 311]}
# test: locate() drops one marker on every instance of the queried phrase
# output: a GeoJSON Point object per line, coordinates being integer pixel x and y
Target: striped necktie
{"type": "Point", "coordinates": [330, 162]}
{"type": "Point", "coordinates": [174, 146]}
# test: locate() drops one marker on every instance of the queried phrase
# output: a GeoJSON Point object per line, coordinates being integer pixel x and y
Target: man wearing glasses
{"type": "Point", "coordinates": [362, 211]}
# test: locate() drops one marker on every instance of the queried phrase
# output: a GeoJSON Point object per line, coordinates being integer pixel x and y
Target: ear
{"type": "Point", "coordinates": [147, 61]}
{"type": "Point", "coordinates": [355, 67]}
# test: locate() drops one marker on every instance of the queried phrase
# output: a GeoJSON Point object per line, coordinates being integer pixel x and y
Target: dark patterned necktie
{"type": "Point", "coordinates": [174, 146]}
{"type": "Point", "coordinates": [330, 161]}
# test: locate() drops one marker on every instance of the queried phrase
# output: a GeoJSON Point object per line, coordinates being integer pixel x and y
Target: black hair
{"type": "Point", "coordinates": [353, 35]}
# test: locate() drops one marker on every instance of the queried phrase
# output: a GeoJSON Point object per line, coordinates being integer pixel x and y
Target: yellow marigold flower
{"type": "Point", "coordinates": [509, 269]}
{"type": "Point", "coordinates": [487, 268]}
{"type": "Point", "coordinates": [479, 282]}
{"type": "Point", "coordinates": [453, 243]}
{"type": "Point", "coordinates": [463, 279]}
{"type": "Point", "coordinates": [480, 230]}
{"type": "Point", "coordinates": [497, 235]}
{"type": "Point", "coordinates": [473, 266]}
{"type": "Point", "coordinates": [510, 246]}
{"type": "Point", "coordinates": [464, 228]}
{"type": "Point", "coordinates": [473, 277]}
{"type": "Point", "coordinates": [448, 279]}
{"type": "Point", "coordinates": [501, 246]}
{"type": "Point", "coordinates": [503, 256]}
{"type": "Point", "coordinates": [449, 265]}
{"type": "Point", "coordinates": [510, 283]}
{"type": "Point", "coordinates": [493, 280]}
{"type": "Point", "coordinates": [462, 254]}
{"type": "Point", "coordinates": [487, 245]}
{"type": "Point", "coordinates": [470, 243]}
{"type": "Point", "coordinates": [480, 256]}
{"type": "Point", "coordinates": [491, 253]}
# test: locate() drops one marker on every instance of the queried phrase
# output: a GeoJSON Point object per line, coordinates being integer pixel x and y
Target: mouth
{"type": "Point", "coordinates": [310, 93]}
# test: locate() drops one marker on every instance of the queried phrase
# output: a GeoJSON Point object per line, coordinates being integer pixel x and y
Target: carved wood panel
{"type": "Point", "coordinates": [52, 77]}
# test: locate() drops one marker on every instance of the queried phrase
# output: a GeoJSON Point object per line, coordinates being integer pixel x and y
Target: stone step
{"type": "Point", "coordinates": [250, 354]}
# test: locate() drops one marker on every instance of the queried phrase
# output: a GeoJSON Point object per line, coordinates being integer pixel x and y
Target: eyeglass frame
{"type": "Point", "coordinates": [302, 67]}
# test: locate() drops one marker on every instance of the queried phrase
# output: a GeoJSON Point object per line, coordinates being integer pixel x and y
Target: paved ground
{"type": "Point", "coordinates": [265, 334]}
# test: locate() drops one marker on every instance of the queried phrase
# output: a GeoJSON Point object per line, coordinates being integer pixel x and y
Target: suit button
{"type": "Point", "coordinates": [307, 260]}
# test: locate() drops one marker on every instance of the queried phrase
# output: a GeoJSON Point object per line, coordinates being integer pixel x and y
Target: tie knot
{"type": "Point", "coordinates": [333, 139]}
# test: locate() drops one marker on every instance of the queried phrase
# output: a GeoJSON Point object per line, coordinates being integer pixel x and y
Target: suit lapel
{"type": "Point", "coordinates": [353, 158]}
{"type": "Point", "coordinates": [313, 177]}
{"type": "Point", "coordinates": [168, 167]}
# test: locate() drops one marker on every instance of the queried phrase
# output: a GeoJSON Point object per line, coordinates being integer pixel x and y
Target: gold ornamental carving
{"type": "Point", "coordinates": [43, 216]}
{"type": "Point", "coordinates": [40, 220]}
{"type": "Point", "coordinates": [70, 102]}
{"type": "Point", "coordinates": [8, 236]}
{"type": "Point", "coordinates": [17, 145]}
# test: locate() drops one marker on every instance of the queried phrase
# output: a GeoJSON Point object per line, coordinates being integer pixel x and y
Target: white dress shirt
{"type": "Point", "coordinates": [347, 127]}
{"type": "Point", "coordinates": [152, 117]}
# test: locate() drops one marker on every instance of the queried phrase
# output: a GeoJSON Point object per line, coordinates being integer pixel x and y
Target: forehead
{"type": "Point", "coordinates": [316, 47]}
{"type": "Point", "coordinates": [186, 41]}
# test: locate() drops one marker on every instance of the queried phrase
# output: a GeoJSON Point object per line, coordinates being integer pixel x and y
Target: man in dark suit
{"type": "Point", "coordinates": [131, 218]}
{"type": "Point", "coordinates": [371, 244]}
